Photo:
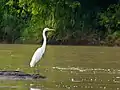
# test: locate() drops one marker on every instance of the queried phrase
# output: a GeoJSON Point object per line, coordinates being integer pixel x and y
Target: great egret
{"type": "Point", "coordinates": [40, 51]}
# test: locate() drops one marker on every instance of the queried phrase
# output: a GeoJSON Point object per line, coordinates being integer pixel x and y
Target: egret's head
{"type": "Point", "coordinates": [48, 29]}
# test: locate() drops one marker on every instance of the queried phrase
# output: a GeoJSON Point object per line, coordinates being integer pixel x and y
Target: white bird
{"type": "Point", "coordinates": [40, 51]}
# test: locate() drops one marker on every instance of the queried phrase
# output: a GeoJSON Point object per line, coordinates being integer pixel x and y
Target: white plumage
{"type": "Point", "coordinates": [40, 51]}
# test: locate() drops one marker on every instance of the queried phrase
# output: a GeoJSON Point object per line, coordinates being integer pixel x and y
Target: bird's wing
{"type": "Point", "coordinates": [37, 56]}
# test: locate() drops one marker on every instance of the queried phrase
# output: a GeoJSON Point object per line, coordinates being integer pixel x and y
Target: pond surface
{"type": "Point", "coordinates": [66, 67]}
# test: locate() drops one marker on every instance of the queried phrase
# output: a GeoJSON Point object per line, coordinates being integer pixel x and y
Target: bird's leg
{"type": "Point", "coordinates": [36, 71]}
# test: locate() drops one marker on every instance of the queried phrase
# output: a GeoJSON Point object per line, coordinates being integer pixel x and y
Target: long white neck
{"type": "Point", "coordinates": [44, 40]}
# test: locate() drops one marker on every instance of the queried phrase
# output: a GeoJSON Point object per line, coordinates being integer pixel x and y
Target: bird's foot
{"type": "Point", "coordinates": [36, 71]}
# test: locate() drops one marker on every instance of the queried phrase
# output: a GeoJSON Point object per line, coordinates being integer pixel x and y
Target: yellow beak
{"type": "Point", "coordinates": [52, 29]}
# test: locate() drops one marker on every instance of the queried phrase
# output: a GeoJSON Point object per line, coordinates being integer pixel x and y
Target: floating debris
{"type": "Point", "coordinates": [19, 75]}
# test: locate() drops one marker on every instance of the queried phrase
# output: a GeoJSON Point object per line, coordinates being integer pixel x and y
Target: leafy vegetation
{"type": "Point", "coordinates": [88, 22]}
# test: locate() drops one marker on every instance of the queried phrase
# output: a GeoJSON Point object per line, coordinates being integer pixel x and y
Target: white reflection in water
{"type": "Point", "coordinates": [69, 68]}
{"type": "Point", "coordinates": [89, 70]}
{"type": "Point", "coordinates": [97, 78]}
{"type": "Point", "coordinates": [116, 80]}
{"type": "Point", "coordinates": [73, 80]}
{"type": "Point", "coordinates": [35, 89]}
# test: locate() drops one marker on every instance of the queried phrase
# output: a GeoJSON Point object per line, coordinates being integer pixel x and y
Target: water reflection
{"type": "Point", "coordinates": [75, 68]}
{"type": "Point", "coordinates": [74, 78]}
{"type": "Point", "coordinates": [35, 89]}
{"type": "Point", "coordinates": [90, 70]}
{"type": "Point", "coordinates": [88, 78]}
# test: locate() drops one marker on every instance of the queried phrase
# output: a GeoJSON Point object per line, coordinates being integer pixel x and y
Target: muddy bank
{"type": "Point", "coordinates": [85, 42]}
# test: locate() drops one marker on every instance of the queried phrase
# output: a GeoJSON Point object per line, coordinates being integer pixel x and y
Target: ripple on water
{"type": "Point", "coordinates": [97, 78]}
{"type": "Point", "coordinates": [90, 70]}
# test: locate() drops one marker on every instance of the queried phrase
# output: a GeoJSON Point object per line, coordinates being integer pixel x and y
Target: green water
{"type": "Point", "coordinates": [66, 67]}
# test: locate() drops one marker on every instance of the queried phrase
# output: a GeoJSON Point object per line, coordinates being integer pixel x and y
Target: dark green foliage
{"type": "Point", "coordinates": [75, 21]}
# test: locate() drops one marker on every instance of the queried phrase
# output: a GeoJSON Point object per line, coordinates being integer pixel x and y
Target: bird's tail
{"type": "Point", "coordinates": [32, 64]}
